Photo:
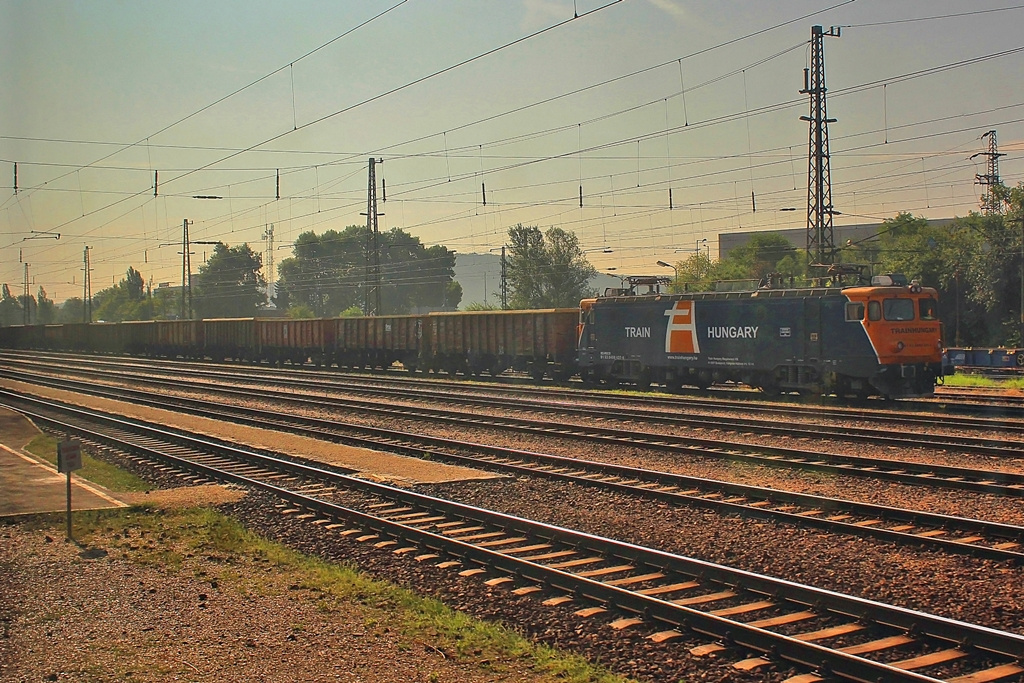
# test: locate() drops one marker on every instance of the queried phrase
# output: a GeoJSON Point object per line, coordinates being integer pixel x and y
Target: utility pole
{"type": "Point", "coordinates": [504, 280]}
{"type": "Point", "coordinates": [268, 235]}
{"type": "Point", "coordinates": [186, 274]}
{"type": "Point", "coordinates": [87, 288]}
{"type": "Point", "coordinates": [989, 203]}
{"type": "Point", "coordinates": [372, 302]}
{"type": "Point", "coordinates": [820, 236]}
{"type": "Point", "coordinates": [27, 311]}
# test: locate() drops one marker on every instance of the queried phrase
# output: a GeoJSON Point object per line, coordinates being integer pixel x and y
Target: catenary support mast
{"type": "Point", "coordinates": [372, 284]}
{"type": "Point", "coordinates": [820, 237]}
{"type": "Point", "coordinates": [990, 204]}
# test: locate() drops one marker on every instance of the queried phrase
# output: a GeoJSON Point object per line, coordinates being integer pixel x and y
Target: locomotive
{"type": "Point", "coordinates": [863, 340]}
{"type": "Point", "coordinates": [878, 339]}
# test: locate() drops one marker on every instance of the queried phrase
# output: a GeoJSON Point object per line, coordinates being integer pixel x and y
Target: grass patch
{"type": "Point", "coordinates": [982, 381]}
{"type": "Point", "coordinates": [211, 546]}
{"type": "Point", "coordinates": [109, 476]}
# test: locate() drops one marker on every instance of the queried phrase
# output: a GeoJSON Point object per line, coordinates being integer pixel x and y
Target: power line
{"type": "Point", "coordinates": [239, 90]}
{"type": "Point", "coordinates": [932, 18]}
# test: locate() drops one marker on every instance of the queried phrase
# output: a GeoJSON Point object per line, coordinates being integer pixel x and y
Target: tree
{"type": "Point", "coordinates": [10, 308]}
{"type": "Point", "coordinates": [71, 311]}
{"type": "Point", "coordinates": [765, 253]}
{"type": "Point", "coordinates": [134, 285]}
{"type": "Point", "coordinates": [323, 272]}
{"type": "Point", "coordinates": [332, 272]}
{"type": "Point", "coordinates": [28, 308]}
{"type": "Point", "coordinates": [46, 311]}
{"type": "Point", "coordinates": [910, 245]}
{"type": "Point", "coordinates": [696, 273]}
{"type": "Point", "coordinates": [127, 300]}
{"type": "Point", "coordinates": [230, 284]}
{"type": "Point", "coordinates": [546, 270]}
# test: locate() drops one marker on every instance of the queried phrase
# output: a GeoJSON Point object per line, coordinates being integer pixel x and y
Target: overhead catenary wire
{"type": "Point", "coordinates": [319, 194]}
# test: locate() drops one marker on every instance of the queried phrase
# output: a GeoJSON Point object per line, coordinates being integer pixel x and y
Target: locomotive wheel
{"type": "Point", "coordinates": [702, 380]}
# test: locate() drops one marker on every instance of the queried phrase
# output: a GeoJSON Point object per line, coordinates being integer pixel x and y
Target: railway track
{"type": "Point", "coordinates": [914, 473]}
{"type": "Point", "coordinates": [995, 412]}
{"type": "Point", "coordinates": [754, 619]}
{"type": "Point", "coordinates": [947, 533]}
{"type": "Point", "coordinates": [567, 404]}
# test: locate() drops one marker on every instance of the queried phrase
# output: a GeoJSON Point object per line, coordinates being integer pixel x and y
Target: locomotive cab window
{"type": "Point", "coordinates": [854, 311]}
{"type": "Point", "coordinates": [927, 309]}
{"type": "Point", "coordinates": [898, 310]}
{"type": "Point", "coordinates": [874, 310]}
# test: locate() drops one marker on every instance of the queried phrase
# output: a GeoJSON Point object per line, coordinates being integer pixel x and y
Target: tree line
{"type": "Point", "coordinates": [976, 262]}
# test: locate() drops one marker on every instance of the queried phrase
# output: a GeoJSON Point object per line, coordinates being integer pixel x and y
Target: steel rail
{"type": "Point", "coordinates": [980, 446]}
{"type": "Point", "coordinates": [907, 472]}
{"type": "Point", "coordinates": [942, 632]}
{"type": "Point", "coordinates": [913, 527]}
{"type": "Point", "coordinates": [1001, 417]}
{"type": "Point", "coordinates": [540, 401]}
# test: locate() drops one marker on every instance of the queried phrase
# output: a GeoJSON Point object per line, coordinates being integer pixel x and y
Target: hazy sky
{"type": "Point", "coordinates": [628, 100]}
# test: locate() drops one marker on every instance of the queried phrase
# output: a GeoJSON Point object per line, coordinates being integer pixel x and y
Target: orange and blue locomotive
{"type": "Point", "coordinates": [880, 339]}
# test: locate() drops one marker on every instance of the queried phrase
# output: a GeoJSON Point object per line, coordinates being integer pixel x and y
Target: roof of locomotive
{"type": "Point", "coordinates": [768, 293]}
{"type": "Point", "coordinates": [747, 294]}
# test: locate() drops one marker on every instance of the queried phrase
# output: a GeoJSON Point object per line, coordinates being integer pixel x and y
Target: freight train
{"type": "Point", "coordinates": [879, 339]}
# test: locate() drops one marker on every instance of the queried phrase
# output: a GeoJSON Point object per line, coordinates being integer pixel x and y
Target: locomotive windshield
{"type": "Point", "coordinates": [898, 309]}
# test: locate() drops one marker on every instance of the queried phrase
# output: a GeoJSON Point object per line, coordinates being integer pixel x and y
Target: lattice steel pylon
{"type": "Point", "coordinates": [820, 237]}
{"type": "Point", "coordinates": [989, 203]}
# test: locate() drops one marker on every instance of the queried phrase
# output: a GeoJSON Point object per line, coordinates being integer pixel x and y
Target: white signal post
{"type": "Point", "coordinates": [69, 459]}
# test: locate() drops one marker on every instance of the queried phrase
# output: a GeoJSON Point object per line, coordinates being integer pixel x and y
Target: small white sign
{"type": "Point", "coordinates": [69, 456]}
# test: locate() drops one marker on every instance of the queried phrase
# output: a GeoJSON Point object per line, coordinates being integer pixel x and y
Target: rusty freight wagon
{"type": "Point", "coordinates": [230, 339]}
{"type": "Point", "coordinates": [294, 341]}
{"type": "Point", "coordinates": [541, 342]}
{"type": "Point", "coordinates": [374, 341]}
{"type": "Point", "coordinates": [173, 338]}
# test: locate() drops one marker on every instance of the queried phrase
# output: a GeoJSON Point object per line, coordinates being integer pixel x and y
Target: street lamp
{"type": "Point", "coordinates": [669, 265]}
